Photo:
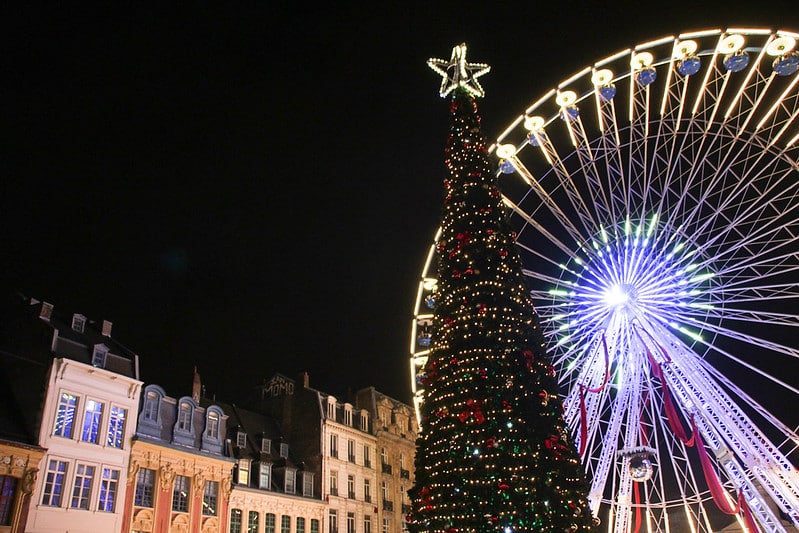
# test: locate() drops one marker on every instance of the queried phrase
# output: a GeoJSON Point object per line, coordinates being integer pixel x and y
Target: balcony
{"type": "Point", "coordinates": [406, 509]}
{"type": "Point", "coordinates": [351, 458]}
{"type": "Point", "coordinates": [367, 498]}
{"type": "Point", "coordinates": [388, 505]}
{"type": "Point", "coordinates": [405, 474]}
{"type": "Point", "coordinates": [386, 468]}
{"type": "Point", "coordinates": [367, 463]}
{"type": "Point", "coordinates": [351, 495]}
{"type": "Point", "coordinates": [334, 491]}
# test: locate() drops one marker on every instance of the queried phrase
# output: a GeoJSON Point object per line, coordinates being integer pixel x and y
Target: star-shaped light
{"type": "Point", "coordinates": [458, 73]}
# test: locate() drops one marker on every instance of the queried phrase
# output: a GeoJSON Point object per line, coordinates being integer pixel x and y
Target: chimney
{"type": "Point", "coordinates": [306, 381]}
{"type": "Point", "coordinates": [107, 328]}
{"type": "Point", "coordinates": [46, 312]}
{"type": "Point", "coordinates": [196, 387]}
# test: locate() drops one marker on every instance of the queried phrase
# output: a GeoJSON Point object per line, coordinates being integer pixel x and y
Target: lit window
{"type": "Point", "coordinates": [285, 524]}
{"type": "Point", "coordinates": [314, 525]}
{"type": "Point", "coordinates": [269, 523]}
{"type": "Point", "coordinates": [383, 456]}
{"type": "Point", "coordinates": [333, 521]}
{"type": "Point", "coordinates": [348, 415]}
{"type": "Point", "coordinates": [151, 405]}
{"type": "Point", "coordinates": [235, 521]}
{"type": "Point", "coordinates": [264, 475]}
{"type": "Point", "coordinates": [180, 494]}
{"type": "Point", "coordinates": [8, 486]}
{"type": "Point", "coordinates": [91, 421]}
{"type": "Point", "coordinates": [307, 484]}
{"type": "Point", "coordinates": [145, 486]}
{"type": "Point", "coordinates": [65, 415]}
{"type": "Point", "coordinates": [300, 525]}
{"type": "Point", "coordinates": [384, 489]}
{"type": "Point", "coordinates": [212, 425]}
{"type": "Point", "coordinates": [241, 439]}
{"type": "Point", "coordinates": [210, 496]}
{"type": "Point", "coordinates": [184, 417]}
{"type": "Point", "coordinates": [244, 472]}
{"type": "Point", "coordinates": [116, 426]}
{"type": "Point", "coordinates": [350, 522]}
{"type": "Point", "coordinates": [252, 522]}
{"type": "Point", "coordinates": [108, 490]}
{"type": "Point", "coordinates": [82, 487]}
{"type": "Point", "coordinates": [291, 481]}
{"type": "Point", "coordinates": [54, 483]}
{"type": "Point", "coordinates": [367, 524]}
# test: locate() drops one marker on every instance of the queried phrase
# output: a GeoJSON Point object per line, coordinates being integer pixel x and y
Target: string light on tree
{"type": "Point", "coordinates": [494, 454]}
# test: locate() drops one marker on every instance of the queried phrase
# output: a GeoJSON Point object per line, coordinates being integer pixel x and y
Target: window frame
{"type": "Point", "coordinates": [115, 435]}
{"type": "Point", "coordinates": [210, 498]}
{"type": "Point", "coordinates": [54, 481]}
{"type": "Point", "coordinates": [236, 520]}
{"type": "Point", "coordinates": [109, 490]}
{"type": "Point", "coordinates": [92, 422]}
{"type": "Point", "coordinates": [181, 502]}
{"type": "Point", "coordinates": [65, 415]}
{"type": "Point", "coordinates": [84, 474]}
{"type": "Point", "coordinates": [144, 490]}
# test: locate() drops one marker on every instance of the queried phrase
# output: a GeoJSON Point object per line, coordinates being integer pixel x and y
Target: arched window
{"type": "Point", "coordinates": [212, 424]}
{"type": "Point", "coordinates": [184, 416]}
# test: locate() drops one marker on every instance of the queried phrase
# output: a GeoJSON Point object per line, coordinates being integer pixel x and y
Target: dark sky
{"type": "Point", "coordinates": [253, 189]}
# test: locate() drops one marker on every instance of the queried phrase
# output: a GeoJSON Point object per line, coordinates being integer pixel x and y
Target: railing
{"type": "Point", "coordinates": [405, 474]}
{"type": "Point", "coordinates": [367, 498]}
{"type": "Point", "coordinates": [334, 491]}
{"type": "Point", "coordinates": [406, 509]}
{"type": "Point", "coordinates": [351, 495]}
{"type": "Point", "coordinates": [351, 458]}
{"type": "Point", "coordinates": [388, 505]}
{"type": "Point", "coordinates": [386, 468]}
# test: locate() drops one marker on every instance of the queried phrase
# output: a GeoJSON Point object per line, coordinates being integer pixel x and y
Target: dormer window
{"type": "Point", "coordinates": [99, 355]}
{"type": "Point", "coordinates": [364, 422]}
{"type": "Point", "coordinates": [184, 416]}
{"type": "Point", "coordinates": [331, 408]}
{"type": "Point", "coordinates": [241, 439]}
{"type": "Point", "coordinates": [78, 322]}
{"type": "Point", "coordinates": [348, 414]}
{"type": "Point", "coordinates": [284, 450]}
{"type": "Point", "coordinates": [266, 445]}
{"type": "Point", "coordinates": [244, 472]}
{"type": "Point", "coordinates": [212, 425]}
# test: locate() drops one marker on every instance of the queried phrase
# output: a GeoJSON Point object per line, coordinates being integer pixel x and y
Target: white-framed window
{"type": "Point", "coordinates": [284, 450]}
{"type": "Point", "coordinates": [333, 445]}
{"type": "Point", "coordinates": [367, 524]}
{"type": "Point", "coordinates": [266, 445]}
{"type": "Point", "coordinates": [367, 490]}
{"type": "Point", "coordinates": [332, 516]}
{"type": "Point", "coordinates": [109, 483]}
{"type": "Point", "coordinates": [82, 486]}
{"type": "Point", "coordinates": [54, 478]}
{"type": "Point", "coordinates": [241, 439]}
{"type": "Point", "coordinates": [291, 481]}
{"type": "Point", "coordinates": [334, 482]}
{"type": "Point", "coordinates": [244, 472]}
{"type": "Point", "coordinates": [264, 475]}
{"type": "Point", "coordinates": [350, 522]}
{"type": "Point", "coordinates": [99, 354]}
{"type": "Point", "coordinates": [384, 489]}
{"type": "Point", "coordinates": [212, 424]}
{"type": "Point", "coordinates": [351, 487]}
{"type": "Point", "coordinates": [78, 322]}
{"type": "Point", "coordinates": [152, 405]}
{"type": "Point", "coordinates": [348, 415]}
{"type": "Point", "coordinates": [383, 456]}
{"type": "Point", "coordinates": [65, 415]}
{"type": "Point", "coordinates": [331, 408]}
{"type": "Point", "coordinates": [402, 461]}
{"type": "Point", "coordinates": [185, 411]}
{"type": "Point", "coordinates": [180, 494]}
{"type": "Point", "coordinates": [116, 426]}
{"type": "Point", "coordinates": [307, 484]}
{"type": "Point", "coordinates": [386, 525]}
{"type": "Point", "coordinates": [145, 488]}
{"type": "Point", "coordinates": [210, 497]}
{"type": "Point", "coordinates": [364, 421]}
{"type": "Point", "coordinates": [92, 417]}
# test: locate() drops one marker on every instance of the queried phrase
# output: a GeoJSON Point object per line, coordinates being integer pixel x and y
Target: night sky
{"type": "Point", "coordinates": [253, 190]}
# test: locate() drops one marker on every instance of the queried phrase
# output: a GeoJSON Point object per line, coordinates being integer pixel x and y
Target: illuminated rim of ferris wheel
{"type": "Point", "coordinates": [655, 195]}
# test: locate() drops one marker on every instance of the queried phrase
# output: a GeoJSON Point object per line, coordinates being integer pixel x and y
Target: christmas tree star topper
{"type": "Point", "coordinates": [458, 73]}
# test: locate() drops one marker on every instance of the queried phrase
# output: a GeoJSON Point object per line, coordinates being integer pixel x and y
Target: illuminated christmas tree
{"type": "Point", "coordinates": [494, 452]}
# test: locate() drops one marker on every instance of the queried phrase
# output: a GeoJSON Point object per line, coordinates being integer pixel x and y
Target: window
{"type": "Point", "coordinates": [402, 461]}
{"type": "Point", "coordinates": [285, 524]}
{"type": "Point", "coordinates": [367, 490]}
{"type": "Point", "coordinates": [8, 486]}
{"type": "Point", "coordinates": [307, 484]}
{"type": "Point", "coordinates": [291, 481]}
{"type": "Point", "coordinates": [241, 439]}
{"type": "Point", "coordinates": [351, 487]}
{"type": "Point", "coordinates": [212, 425]}
{"type": "Point", "coordinates": [331, 408]}
{"type": "Point", "coordinates": [252, 522]}
{"type": "Point", "coordinates": [145, 487]}
{"type": "Point", "coordinates": [350, 522]}
{"type": "Point", "coordinates": [78, 322]}
{"type": "Point", "coordinates": [116, 426]}
{"type": "Point", "coordinates": [334, 482]}
{"type": "Point", "coordinates": [364, 422]}
{"type": "Point", "coordinates": [300, 525]}
{"type": "Point", "coordinates": [91, 421]}
{"type": "Point", "coordinates": [351, 450]}
{"type": "Point", "coordinates": [383, 419]}
{"type": "Point", "coordinates": [266, 446]}
{"type": "Point", "coordinates": [367, 456]}
{"type": "Point", "coordinates": [184, 417]}
{"type": "Point", "coordinates": [367, 524]}
{"type": "Point", "coordinates": [210, 495]}
{"type": "Point", "coordinates": [65, 415]}
{"type": "Point", "coordinates": [244, 471]}
{"type": "Point", "coordinates": [54, 482]}
{"type": "Point", "coordinates": [82, 487]}
{"type": "Point", "coordinates": [332, 516]}
{"type": "Point", "coordinates": [108, 490]}
{"type": "Point", "coordinates": [284, 450]}
{"type": "Point", "coordinates": [264, 475]}
{"type": "Point", "coordinates": [180, 494]}
{"type": "Point", "coordinates": [384, 490]}
{"type": "Point", "coordinates": [314, 525]}
{"type": "Point", "coordinates": [235, 521]}
{"type": "Point", "coordinates": [386, 526]}
{"type": "Point", "coordinates": [98, 355]}
{"type": "Point", "coordinates": [348, 415]}
{"type": "Point", "coordinates": [151, 404]}
{"type": "Point", "coordinates": [334, 445]}
{"type": "Point", "coordinates": [383, 456]}
{"type": "Point", "coordinates": [269, 523]}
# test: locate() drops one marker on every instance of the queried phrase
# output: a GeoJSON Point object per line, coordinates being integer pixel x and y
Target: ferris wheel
{"type": "Point", "coordinates": [655, 197]}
